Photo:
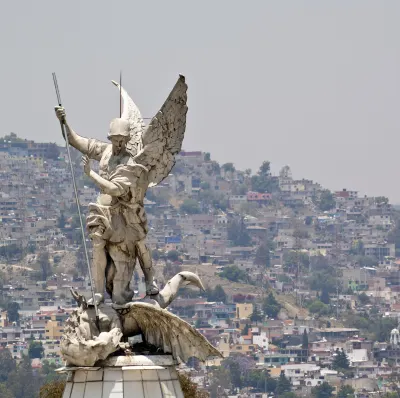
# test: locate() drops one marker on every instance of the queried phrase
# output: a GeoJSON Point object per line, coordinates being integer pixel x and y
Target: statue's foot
{"type": "Point", "coordinates": [98, 297]}
{"type": "Point", "coordinates": [152, 289]}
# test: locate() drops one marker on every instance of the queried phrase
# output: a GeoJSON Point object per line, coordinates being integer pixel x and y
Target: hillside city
{"type": "Point", "coordinates": [302, 283]}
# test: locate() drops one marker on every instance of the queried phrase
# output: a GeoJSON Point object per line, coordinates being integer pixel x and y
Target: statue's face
{"type": "Point", "coordinates": [118, 144]}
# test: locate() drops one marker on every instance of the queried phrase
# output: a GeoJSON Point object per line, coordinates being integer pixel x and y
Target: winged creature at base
{"type": "Point", "coordinates": [137, 157]}
{"type": "Point", "coordinates": [84, 342]}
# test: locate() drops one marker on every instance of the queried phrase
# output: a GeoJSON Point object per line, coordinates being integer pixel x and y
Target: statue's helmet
{"type": "Point", "coordinates": [119, 127]}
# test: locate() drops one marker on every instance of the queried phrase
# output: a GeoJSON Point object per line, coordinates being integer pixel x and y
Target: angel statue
{"type": "Point", "coordinates": [138, 157]}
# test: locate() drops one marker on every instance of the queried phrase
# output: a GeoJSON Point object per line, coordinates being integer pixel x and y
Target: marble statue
{"type": "Point", "coordinates": [136, 158]}
{"type": "Point", "coordinates": [84, 342]}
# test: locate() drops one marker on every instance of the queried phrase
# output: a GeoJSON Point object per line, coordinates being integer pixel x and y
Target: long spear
{"type": "Point", "coordinates": [62, 123]}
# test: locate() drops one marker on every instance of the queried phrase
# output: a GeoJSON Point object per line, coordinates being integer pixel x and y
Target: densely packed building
{"type": "Point", "coordinates": [302, 282]}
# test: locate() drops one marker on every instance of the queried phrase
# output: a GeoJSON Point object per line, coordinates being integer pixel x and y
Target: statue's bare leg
{"type": "Point", "coordinates": [99, 263]}
{"type": "Point", "coordinates": [121, 275]}
{"type": "Point", "coordinates": [144, 256]}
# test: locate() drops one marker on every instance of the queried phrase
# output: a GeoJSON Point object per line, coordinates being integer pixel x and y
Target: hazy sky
{"type": "Point", "coordinates": [312, 84]}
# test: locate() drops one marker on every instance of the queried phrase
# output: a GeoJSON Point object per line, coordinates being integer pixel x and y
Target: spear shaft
{"type": "Point", "coordinates": [62, 123]}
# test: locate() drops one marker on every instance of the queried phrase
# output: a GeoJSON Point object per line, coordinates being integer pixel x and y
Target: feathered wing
{"type": "Point", "coordinates": [162, 139]}
{"type": "Point", "coordinates": [167, 331]}
{"type": "Point", "coordinates": [131, 113]}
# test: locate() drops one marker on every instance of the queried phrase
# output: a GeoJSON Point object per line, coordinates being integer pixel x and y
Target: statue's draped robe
{"type": "Point", "coordinates": [118, 220]}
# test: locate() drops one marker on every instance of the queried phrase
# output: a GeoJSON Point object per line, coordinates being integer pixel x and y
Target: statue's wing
{"type": "Point", "coordinates": [170, 333]}
{"type": "Point", "coordinates": [131, 112]}
{"type": "Point", "coordinates": [162, 139]}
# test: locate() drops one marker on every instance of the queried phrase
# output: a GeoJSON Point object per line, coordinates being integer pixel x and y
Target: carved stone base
{"type": "Point", "coordinates": [125, 377]}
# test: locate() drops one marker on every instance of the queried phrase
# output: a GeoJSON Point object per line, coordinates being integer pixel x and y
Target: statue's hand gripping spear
{"type": "Point", "coordinates": [62, 123]}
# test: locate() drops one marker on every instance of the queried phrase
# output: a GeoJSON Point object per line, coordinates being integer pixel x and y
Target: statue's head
{"type": "Point", "coordinates": [119, 134]}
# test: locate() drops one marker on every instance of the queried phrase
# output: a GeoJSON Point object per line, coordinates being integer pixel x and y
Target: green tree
{"type": "Point", "coordinates": [12, 311]}
{"type": "Point", "coordinates": [190, 206]}
{"type": "Point", "coordinates": [53, 389]}
{"type": "Point", "coordinates": [173, 255]}
{"type": "Point", "coordinates": [325, 296]}
{"type": "Point", "coordinates": [35, 350]}
{"type": "Point", "coordinates": [207, 157]}
{"type": "Point", "coordinates": [233, 273]}
{"type": "Point", "coordinates": [228, 167]}
{"type": "Point", "coordinates": [263, 254]}
{"type": "Point", "coordinates": [381, 200]}
{"type": "Point", "coordinates": [155, 254]}
{"type": "Point", "coordinates": [283, 385]}
{"type": "Point", "coordinates": [256, 315]}
{"type": "Point", "coordinates": [189, 388]}
{"type": "Point", "coordinates": [245, 330]}
{"type": "Point", "coordinates": [363, 298]}
{"type": "Point", "coordinates": [263, 181]}
{"type": "Point", "coordinates": [318, 307]}
{"type": "Point", "coordinates": [345, 391]}
{"type": "Point", "coordinates": [22, 382]}
{"type": "Point", "coordinates": [219, 294]}
{"type": "Point", "coordinates": [271, 307]}
{"type": "Point", "coordinates": [326, 200]}
{"type": "Point", "coordinates": [61, 220]}
{"type": "Point", "coordinates": [44, 263]}
{"type": "Point", "coordinates": [340, 360]}
{"type": "Point", "coordinates": [304, 343]}
{"type": "Point", "coordinates": [324, 390]}
{"type": "Point", "coordinates": [7, 364]}
{"type": "Point", "coordinates": [5, 392]}
{"type": "Point", "coordinates": [237, 233]}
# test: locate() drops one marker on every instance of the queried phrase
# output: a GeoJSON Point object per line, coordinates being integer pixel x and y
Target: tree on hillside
{"type": "Point", "coordinates": [44, 263]}
{"type": "Point", "coordinates": [340, 360]}
{"type": "Point", "coordinates": [12, 311]}
{"type": "Point", "coordinates": [256, 315]}
{"type": "Point", "coordinates": [304, 343]}
{"type": "Point", "coordinates": [345, 391]}
{"type": "Point", "coordinates": [363, 298]}
{"type": "Point", "coordinates": [237, 233]}
{"type": "Point", "coordinates": [173, 255]}
{"type": "Point", "coordinates": [190, 206]}
{"type": "Point", "coordinates": [324, 390]}
{"type": "Point", "coordinates": [271, 307]}
{"type": "Point", "coordinates": [228, 168]}
{"type": "Point", "coordinates": [326, 200]}
{"type": "Point", "coordinates": [263, 181]}
{"type": "Point", "coordinates": [35, 350]}
{"type": "Point", "coordinates": [207, 157]}
{"type": "Point", "coordinates": [283, 384]}
{"type": "Point", "coordinates": [53, 389]}
{"type": "Point", "coordinates": [263, 253]}
{"type": "Point", "coordinates": [7, 364]}
{"type": "Point", "coordinates": [22, 381]}
{"type": "Point", "coordinates": [189, 388]}
{"type": "Point", "coordinates": [234, 274]}
{"type": "Point", "coordinates": [325, 296]}
{"type": "Point", "coordinates": [61, 221]}
{"type": "Point", "coordinates": [219, 294]}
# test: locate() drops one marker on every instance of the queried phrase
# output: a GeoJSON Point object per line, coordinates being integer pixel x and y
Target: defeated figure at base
{"type": "Point", "coordinates": [87, 340]}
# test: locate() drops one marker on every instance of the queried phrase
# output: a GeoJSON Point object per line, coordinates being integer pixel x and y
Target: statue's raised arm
{"type": "Point", "coordinates": [88, 146]}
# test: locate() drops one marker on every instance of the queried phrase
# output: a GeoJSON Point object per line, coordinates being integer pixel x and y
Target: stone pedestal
{"type": "Point", "coordinates": [140, 376]}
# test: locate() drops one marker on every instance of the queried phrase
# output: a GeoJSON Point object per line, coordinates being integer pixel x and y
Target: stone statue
{"type": "Point", "coordinates": [136, 158]}
{"type": "Point", "coordinates": [84, 343]}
